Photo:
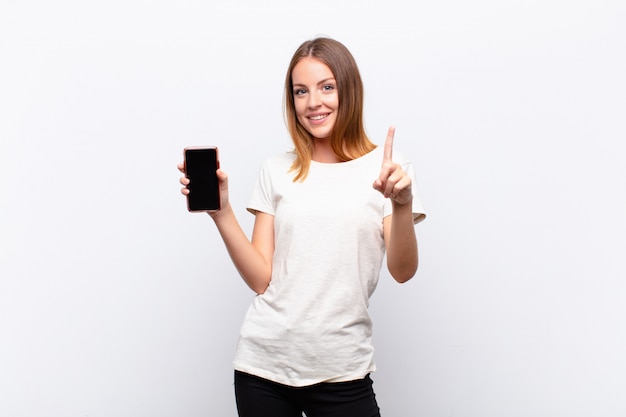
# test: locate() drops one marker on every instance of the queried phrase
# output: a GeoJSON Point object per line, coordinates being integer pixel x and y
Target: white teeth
{"type": "Point", "coordinates": [320, 117]}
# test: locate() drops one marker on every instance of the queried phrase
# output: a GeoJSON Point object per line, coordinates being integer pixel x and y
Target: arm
{"type": "Point", "coordinates": [398, 228]}
{"type": "Point", "coordinates": [252, 258]}
{"type": "Point", "coordinates": [401, 243]}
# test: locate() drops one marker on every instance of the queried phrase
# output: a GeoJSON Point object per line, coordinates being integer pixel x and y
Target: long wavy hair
{"type": "Point", "coordinates": [348, 138]}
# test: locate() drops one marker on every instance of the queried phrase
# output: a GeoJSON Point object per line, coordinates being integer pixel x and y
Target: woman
{"type": "Point", "coordinates": [320, 234]}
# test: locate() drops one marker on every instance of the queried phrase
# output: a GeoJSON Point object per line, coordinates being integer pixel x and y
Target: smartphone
{"type": "Point", "coordinates": [201, 164]}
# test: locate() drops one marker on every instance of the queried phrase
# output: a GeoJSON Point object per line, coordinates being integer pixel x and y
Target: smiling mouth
{"type": "Point", "coordinates": [318, 117]}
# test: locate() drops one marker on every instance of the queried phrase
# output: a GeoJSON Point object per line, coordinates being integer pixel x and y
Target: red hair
{"type": "Point", "coordinates": [348, 139]}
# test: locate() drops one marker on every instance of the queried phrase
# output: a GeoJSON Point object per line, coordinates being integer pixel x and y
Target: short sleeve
{"type": "Point", "coordinates": [261, 198]}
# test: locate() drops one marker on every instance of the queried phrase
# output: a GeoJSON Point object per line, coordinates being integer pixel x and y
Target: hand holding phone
{"type": "Point", "coordinates": [201, 164]}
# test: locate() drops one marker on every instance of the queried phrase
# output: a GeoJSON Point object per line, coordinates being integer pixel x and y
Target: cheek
{"type": "Point", "coordinates": [299, 110]}
{"type": "Point", "coordinates": [333, 101]}
{"type": "Point", "coordinates": [300, 107]}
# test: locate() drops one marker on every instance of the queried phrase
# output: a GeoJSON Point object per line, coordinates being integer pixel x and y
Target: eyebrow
{"type": "Point", "coordinates": [325, 80]}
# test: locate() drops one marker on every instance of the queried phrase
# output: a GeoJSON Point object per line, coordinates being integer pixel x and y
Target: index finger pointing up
{"type": "Point", "coordinates": [389, 144]}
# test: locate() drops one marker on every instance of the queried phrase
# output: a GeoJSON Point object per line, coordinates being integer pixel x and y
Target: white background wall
{"type": "Point", "coordinates": [115, 301]}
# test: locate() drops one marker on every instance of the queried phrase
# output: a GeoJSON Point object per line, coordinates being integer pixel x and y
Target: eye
{"type": "Point", "coordinates": [299, 91]}
{"type": "Point", "coordinates": [328, 87]}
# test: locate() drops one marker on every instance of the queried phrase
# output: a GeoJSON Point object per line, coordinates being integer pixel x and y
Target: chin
{"type": "Point", "coordinates": [321, 133]}
{"type": "Point", "coordinates": [320, 137]}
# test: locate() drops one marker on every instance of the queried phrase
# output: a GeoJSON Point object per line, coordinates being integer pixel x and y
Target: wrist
{"type": "Point", "coordinates": [405, 205]}
{"type": "Point", "coordinates": [218, 214]}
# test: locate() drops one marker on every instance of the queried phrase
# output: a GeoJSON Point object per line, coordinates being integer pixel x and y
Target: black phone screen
{"type": "Point", "coordinates": [200, 167]}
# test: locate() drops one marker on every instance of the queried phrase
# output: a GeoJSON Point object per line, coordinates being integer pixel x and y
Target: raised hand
{"type": "Point", "coordinates": [223, 184]}
{"type": "Point", "coordinates": [393, 182]}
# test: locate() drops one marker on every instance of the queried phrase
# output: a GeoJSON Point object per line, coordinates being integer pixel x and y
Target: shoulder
{"type": "Point", "coordinates": [277, 166]}
{"type": "Point", "coordinates": [376, 155]}
{"type": "Point", "coordinates": [279, 160]}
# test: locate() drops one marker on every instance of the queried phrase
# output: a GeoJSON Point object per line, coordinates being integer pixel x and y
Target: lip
{"type": "Point", "coordinates": [313, 118]}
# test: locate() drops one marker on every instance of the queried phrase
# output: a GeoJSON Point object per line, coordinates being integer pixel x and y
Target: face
{"type": "Point", "coordinates": [315, 96]}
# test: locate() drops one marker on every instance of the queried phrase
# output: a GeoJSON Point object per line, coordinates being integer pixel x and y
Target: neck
{"type": "Point", "coordinates": [322, 152]}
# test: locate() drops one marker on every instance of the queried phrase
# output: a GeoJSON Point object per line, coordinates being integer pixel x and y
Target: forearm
{"type": "Point", "coordinates": [253, 267]}
{"type": "Point", "coordinates": [402, 257]}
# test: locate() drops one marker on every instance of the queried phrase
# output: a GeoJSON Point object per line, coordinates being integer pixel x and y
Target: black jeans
{"type": "Point", "coordinates": [258, 397]}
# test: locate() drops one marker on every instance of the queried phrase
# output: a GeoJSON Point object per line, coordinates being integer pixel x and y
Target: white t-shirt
{"type": "Point", "coordinates": [312, 324]}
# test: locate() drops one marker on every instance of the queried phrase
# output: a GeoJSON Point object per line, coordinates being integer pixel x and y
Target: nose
{"type": "Point", "coordinates": [314, 100]}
